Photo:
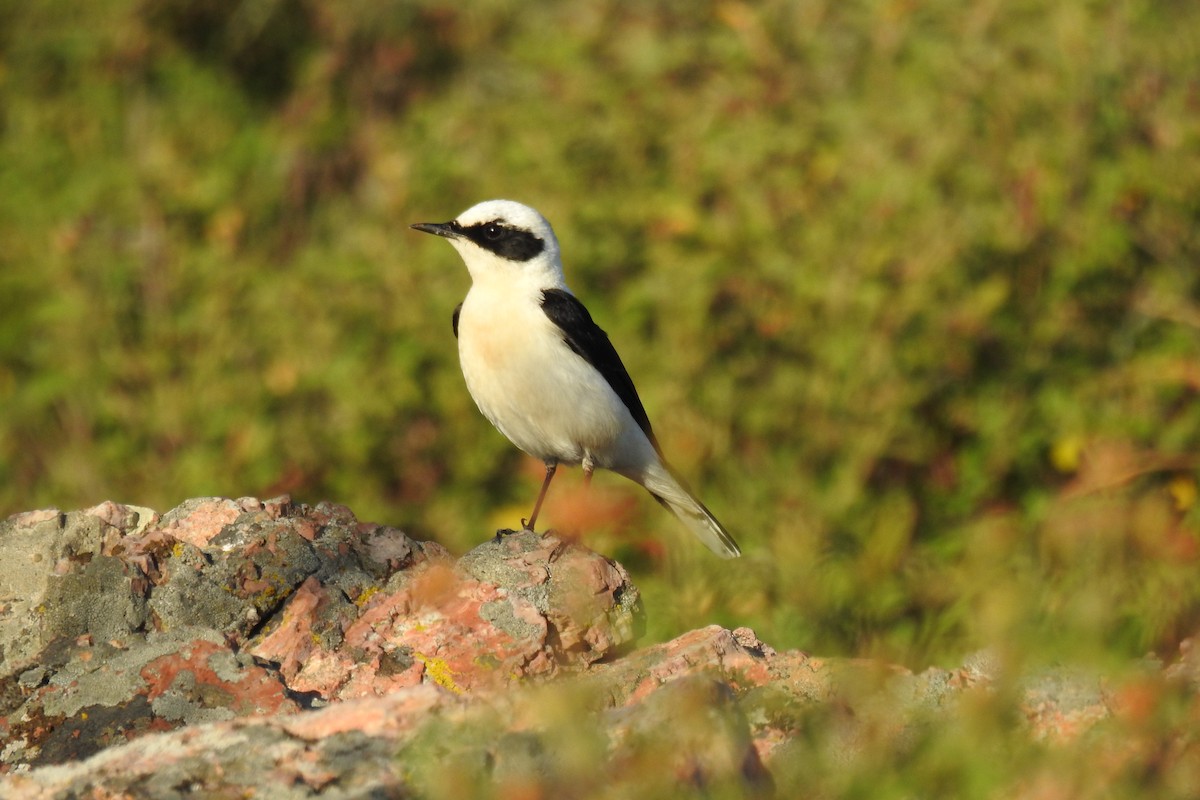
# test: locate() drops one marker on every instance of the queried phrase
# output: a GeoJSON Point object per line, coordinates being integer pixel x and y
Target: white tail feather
{"type": "Point", "coordinates": [670, 491]}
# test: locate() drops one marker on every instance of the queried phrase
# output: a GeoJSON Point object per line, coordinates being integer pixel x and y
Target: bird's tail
{"type": "Point", "coordinates": [671, 492]}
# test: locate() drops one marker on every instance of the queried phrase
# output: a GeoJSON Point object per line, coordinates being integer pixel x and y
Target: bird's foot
{"type": "Point", "coordinates": [525, 526]}
{"type": "Point", "coordinates": [500, 534]}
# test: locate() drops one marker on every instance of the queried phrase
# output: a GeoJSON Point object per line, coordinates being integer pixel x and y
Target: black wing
{"type": "Point", "coordinates": [591, 343]}
{"type": "Point", "coordinates": [454, 319]}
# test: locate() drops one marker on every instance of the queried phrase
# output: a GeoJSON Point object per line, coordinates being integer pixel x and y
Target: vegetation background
{"type": "Point", "coordinates": [911, 290]}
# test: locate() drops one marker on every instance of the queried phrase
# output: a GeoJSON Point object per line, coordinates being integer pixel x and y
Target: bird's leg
{"type": "Point", "coordinates": [588, 466]}
{"type": "Point", "coordinates": [550, 467]}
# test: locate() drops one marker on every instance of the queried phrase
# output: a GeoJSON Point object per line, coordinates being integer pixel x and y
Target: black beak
{"type": "Point", "coordinates": [450, 230]}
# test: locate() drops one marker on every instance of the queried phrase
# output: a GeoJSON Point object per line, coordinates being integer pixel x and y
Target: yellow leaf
{"type": "Point", "coordinates": [1065, 453]}
{"type": "Point", "coordinates": [1182, 489]}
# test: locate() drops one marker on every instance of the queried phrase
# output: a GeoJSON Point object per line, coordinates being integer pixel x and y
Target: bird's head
{"type": "Point", "coordinates": [503, 239]}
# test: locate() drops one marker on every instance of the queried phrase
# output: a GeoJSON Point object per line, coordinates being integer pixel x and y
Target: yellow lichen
{"type": "Point", "coordinates": [366, 595]}
{"type": "Point", "coordinates": [439, 672]}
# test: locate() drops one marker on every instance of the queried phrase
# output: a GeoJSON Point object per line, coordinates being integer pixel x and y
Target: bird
{"type": "Point", "coordinates": [544, 373]}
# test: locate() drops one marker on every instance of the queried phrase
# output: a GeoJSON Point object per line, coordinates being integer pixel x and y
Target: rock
{"type": "Point", "coordinates": [52, 564]}
{"type": "Point", "coordinates": [523, 606]}
{"type": "Point", "coordinates": [241, 647]}
{"type": "Point", "coordinates": [118, 622]}
{"type": "Point", "coordinates": [346, 750]}
{"type": "Point", "coordinates": [591, 607]}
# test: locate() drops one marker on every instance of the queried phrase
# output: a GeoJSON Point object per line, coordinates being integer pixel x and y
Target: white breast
{"type": "Point", "coordinates": [545, 398]}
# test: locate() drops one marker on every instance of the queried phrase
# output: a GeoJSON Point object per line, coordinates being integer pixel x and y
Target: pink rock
{"type": "Point", "coordinates": [469, 629]}
{"type": "Point", "coordinates": [399, 712]}
{"type": "Point", "coordinates": [713, 649]}
{"type": "Point", "coordinates": [125, 518]}
{"type": "Point", "coordinates": [204, 519]}
{"type": "Point", "coordinates": [194, 668]}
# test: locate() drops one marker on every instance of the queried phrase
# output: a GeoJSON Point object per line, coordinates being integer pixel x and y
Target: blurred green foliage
{"type": "Point", "coordinates": [910, 290]}
{"type": "Point", "coordinates": [869, 743]}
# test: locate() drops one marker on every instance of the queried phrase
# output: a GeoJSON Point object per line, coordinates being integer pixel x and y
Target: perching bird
{"type": "Point", "coordinates": [543, 372]}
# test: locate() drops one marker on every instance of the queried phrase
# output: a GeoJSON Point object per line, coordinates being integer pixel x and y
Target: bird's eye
{"type": "Point", "coordinates": [493, 231]}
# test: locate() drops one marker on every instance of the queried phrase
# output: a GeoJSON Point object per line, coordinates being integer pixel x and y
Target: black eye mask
{"type": "Point", "coordinates": [514, 244]}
